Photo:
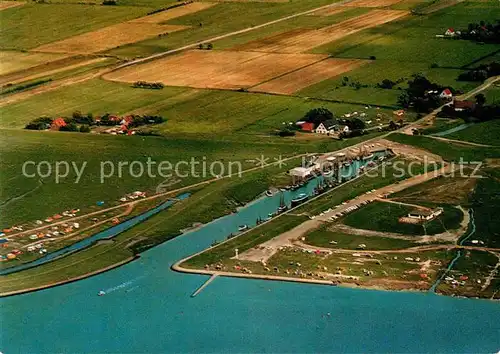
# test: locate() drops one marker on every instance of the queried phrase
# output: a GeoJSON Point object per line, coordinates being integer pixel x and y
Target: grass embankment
{"type": "Point", "coordinates": [323, 237]}
{"type": "Point", "coordinates": [386, 174]}
{"type": "Point", "coordinates": [384, 217]}
{"type": "Point", "coordinates": [448, 151]}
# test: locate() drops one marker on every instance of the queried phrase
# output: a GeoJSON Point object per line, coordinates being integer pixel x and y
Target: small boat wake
{"type": "Point", "coordinates": [120, 286]}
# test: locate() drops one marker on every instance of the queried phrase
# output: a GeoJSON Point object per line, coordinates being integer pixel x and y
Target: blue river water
{"type": "Point", "coordinates": [148, 309]}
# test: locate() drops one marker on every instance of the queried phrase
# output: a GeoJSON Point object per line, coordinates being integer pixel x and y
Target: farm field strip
{"type": "Point", "coordinates": [12, 61]}
{"type": "Point", "coordinates": [301, 40]}
{"type": "Point", "coordinates": [371, 3]}
{"type": "Point", "coordinates": [35, 74]}
{"type": "Point", "coordinates": [8, 4]}
{"type": "Point", "coordinates": [216, 69]}
{"type": "Point", "coordinates": [328, 11]}
{"type": "Point", "coordinates": [109, 37]}
{"type": "Point", "coordinates": [132, 31]}
{"type": "Point", "coordinates": [307, 76]}
{"type": "Point", "coordinates": [173, 13]}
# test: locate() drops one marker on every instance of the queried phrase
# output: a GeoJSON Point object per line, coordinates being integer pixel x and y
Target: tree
{"type": "Point", "coordinates": [318, 115]}
{"type": "Point", "coordinates": [404, 100]}
{"type": "Point", "coordinates": [71, 127]}
{"type": "Point", "coordinates": [84, 129]}
{"type": "Point", "coordinates": [392, 125]}
{"type": "Point", "coordinates": [355, 124]}
{"type": "Point", "coordinates": [480, 99]}
{"type": "Point", "coordinates": [210, 46]}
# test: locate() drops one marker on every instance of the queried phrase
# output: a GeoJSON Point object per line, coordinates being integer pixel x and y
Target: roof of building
{"type": "Point", "coordinates": [446, 92]}
{"type": "Point", "coordinates": [464, 104]}
{"type": "Point", "coordinates": [308, 126]}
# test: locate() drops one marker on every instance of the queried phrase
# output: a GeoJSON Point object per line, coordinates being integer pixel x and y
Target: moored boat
{"type": "Point", "coordinates": [302, 197]}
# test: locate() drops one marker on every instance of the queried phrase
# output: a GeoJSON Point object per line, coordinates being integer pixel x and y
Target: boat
{"type": "Point", "coordinates": [302, 197]}
{"type": "Point", "coordinates": [242, 228]}
{"type": "Point", "coordinates": [294, 187]}
{"type": "Point", "coordinates": [101, 293]}
{"type": "Point", "coordinates": [283, 207]}
{"type": "Point", "coordinates": [367, 157]}
{"type": "Point", "coordinates": [269, 193]}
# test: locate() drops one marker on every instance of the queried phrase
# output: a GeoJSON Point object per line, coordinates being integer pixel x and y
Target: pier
{"type": "Point", "coordinates": [205, 284]}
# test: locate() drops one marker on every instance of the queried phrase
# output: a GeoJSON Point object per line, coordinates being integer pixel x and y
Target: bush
{"type": "Point", "coordinates": [84, 129]}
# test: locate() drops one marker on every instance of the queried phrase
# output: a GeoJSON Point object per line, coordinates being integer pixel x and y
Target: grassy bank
{"type": "Point", "coordinates": [448, 151]}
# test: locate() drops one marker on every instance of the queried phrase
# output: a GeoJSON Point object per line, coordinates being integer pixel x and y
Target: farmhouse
{"type": "Point", "coordinates": [450, 32]}
{"type": "Point", "coordinates": [425, 214]}
{"type": "Point", "coordinates": [326, 127]}
{"type": "Point", "coordinates": [446, 94]}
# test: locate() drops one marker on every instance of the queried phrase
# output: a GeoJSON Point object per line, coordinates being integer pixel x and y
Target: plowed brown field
{"type": "Point", "coordinates": [301, 40]}
{"type": "Point", "coordinates": [215, 69]}
{"type": "Point", "coordinates": [8, 4]}
{"type": "Point", "coordinates": [310, 75]}
{"type": "Point", "coordinates": [108, 38]}
{"type": "Point", "coordinates": [174, 13]}
{"type": "Point", "coordinates": [371, 3]}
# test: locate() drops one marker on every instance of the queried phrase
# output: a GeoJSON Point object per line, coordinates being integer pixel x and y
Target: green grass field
{"type": "Point", "coordinates": [481, 133]}
{"type": "Point", "coordinates": [485, 203]}
{"type": "Point", "coordinates": [383, 217]}
{"type": "Point", "coordinates": [448, 151]}
{"type": "Point", "coordinates": [31, 25]}
{"type": "Point", "coordinates": [322, 238]}
{"type": "Point", "coordinates": [26, 199]}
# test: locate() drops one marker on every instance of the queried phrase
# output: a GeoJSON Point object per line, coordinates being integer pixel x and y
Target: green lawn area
{"type": "Point", "coordinates": [386, 174]}
{"type": "Point", "coordinates": [383, 217]}
{"type": "Point", "coordinates": [485, 203]}
{"type": "Point", "coordinates": [322, 238]}
{"type": "Point", "coordinates": [224, 18]}
{"type": "Point", "coordinates": [481, 133]}
{"type": "Point", "coordinates": [448, 151]}
{"type": "Point", "coordinates": [493, 93]}
{"type": "Point", "coordinates": [31, 25]}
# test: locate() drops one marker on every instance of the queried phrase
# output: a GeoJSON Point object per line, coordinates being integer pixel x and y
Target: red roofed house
{"type": "Point", "coordinates": [57, 124]}
{"type": "Point", "coordinates": [450, 32]}
{"type": "Point", "coordinates": [307, 127]}
{"type": "Point", "coordinates": [464, 105]}
{"type": "Point", "coordinates": [446, 94]}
